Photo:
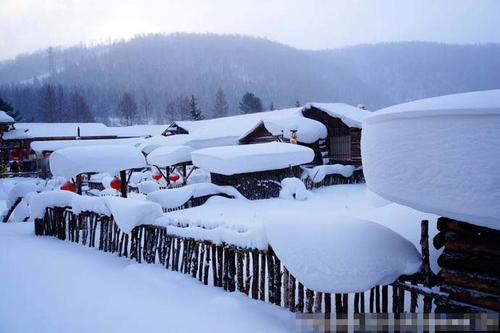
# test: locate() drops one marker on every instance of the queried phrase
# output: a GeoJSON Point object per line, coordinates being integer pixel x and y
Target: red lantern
{"type": "Point", "coordinates": [116, 184]}
{"type": "Point", "coordinates": [68, 186]}
{"type": "Point", "coordinates": [14, 154]}
{"type": "Point", "coordinates": [46, 154]}
{"type": "Point", "coordinates": [156, 176]}
{"type": "Point", "coordinates": [24, 152]}
{"type": "Point", "coordinates": [174, 178]}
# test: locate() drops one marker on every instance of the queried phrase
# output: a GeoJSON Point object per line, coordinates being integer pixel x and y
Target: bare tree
{"type": "Point", "coordinates": [221, 108]}
{"type": "Point", "coordinates": [128, 109]}
{"type": "Point", "coordinates": [47, 103]}
{"type": "Point", "coordinates": [80, 108]}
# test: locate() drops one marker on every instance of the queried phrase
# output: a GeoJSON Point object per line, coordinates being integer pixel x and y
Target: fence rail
{"type": "Point", "coordinates": [256, 273]}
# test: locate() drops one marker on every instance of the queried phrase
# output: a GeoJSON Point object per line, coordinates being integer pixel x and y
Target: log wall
{"type": "Point", "coordinates": [470, 265]}
{"type": "Point", "coordinates": [259, 274]}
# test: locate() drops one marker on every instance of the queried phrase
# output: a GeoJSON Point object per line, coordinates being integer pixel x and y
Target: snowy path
{"type": "Point", "coordinates": [49, 285]}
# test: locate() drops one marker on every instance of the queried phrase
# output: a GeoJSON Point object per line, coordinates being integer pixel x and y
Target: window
{"type": "Point", "coordinates": [340, 147]}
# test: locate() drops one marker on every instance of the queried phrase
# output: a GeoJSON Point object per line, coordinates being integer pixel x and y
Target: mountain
{"type": "Point", "coordinates": [160, 70]}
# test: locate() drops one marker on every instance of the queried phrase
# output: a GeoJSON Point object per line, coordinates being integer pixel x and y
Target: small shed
{"type": "Point", "coordinates": [255, 170]}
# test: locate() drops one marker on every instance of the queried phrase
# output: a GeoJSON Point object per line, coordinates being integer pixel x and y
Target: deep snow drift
{"type": "Point", "coordinates": [50, 286]}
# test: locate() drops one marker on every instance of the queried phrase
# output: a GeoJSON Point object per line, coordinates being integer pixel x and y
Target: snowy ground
{"type": "Point", "coordinates": [53, 286]}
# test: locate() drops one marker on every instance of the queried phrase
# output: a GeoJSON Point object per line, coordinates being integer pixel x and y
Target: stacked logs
{"type": "Point", "coordinates": [256, 273]}
{"type": "Point", "coordinates": [470, 266]}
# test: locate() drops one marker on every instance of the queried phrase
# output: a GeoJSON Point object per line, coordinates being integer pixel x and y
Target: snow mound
{"type": "Point", "coordinates": [318, 173]}
{"type": "Point", "coordinates": [148, 186]}
{"type": "Point", "coordinates": [170, 155]}
{"type": "Point", "coordinates": [57, 198]}
{"type": "Point", "coordinates": [438, 155]}
{"type": "Point", "coordinates": [232, 160]}
{"type": "Point", "coordinates": [20, 190]}
{"type": "Point", "coordinates": [70, 162]}
{"type": "Point", "coordinates": [293, 188]}
{"type": "Point", "coordinates": [176, 197]}
{"type": "Point", "coordinates": [82, 203]}
{"type": "Point", "coordinates": [129, 213]}
{"type": "Point", "coordinates": [334, 254]}
{"type": "Point", "coordinates": [348, 114]}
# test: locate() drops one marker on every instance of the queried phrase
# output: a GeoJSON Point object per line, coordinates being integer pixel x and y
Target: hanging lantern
{"type": "Point", "coordinates": [46, 154]}
{"type": "Point", "coordinates": [156, 176]}
{"type": "Point", "coordinates": [294, 136]}
{"type": "Point", "coordinates": [14, 154]}
{"type": "Point", "coordinates": [24, 152]}
{"type": "Point", "coordinates": [68, 186]}
{"type": "Point", "coordinates": [173, 178]}
{"type": "Point", "coordinates": [116, 184]}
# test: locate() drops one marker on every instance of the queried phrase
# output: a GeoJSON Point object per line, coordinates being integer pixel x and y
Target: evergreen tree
{"type": "Point", "coordinates": [127, 109]}
{"type": "Point", "coordinates": [250, 103]}
{"type": "Point", "coordinates": [47, 103]}
{"type": "Point", "coordinates": [194, 111]}
{"type": "Point", "coordinates": [221, 108]}
{"type": "Point", "coordinates": [297, 103]}
{"type": "Point", "coordinates": [271, 106]}
{"type": "Point", "coordinates": [80, 109]}
{"type": "Point", "coordinates": [7, 108]}
{"type": "Point", "coordinates": [182, 106]}
{"type": "Point", "coordinates": [60, 111]}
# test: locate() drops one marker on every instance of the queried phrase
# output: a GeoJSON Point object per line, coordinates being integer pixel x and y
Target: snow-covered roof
{"type": "Point", "coordinates": [63, 130]}
{"type": "Point", "coordinates": [169, 155]}
{"type": "Point", "coordinates": [150, 144]}
{"type": "Point", "coordinates": [350, 115]}
{"type": "Point", "coordinates": [70, 162]}
{"type": "Point", "coordinates": [438, 155]}
{"type": "Point", "coordinates": [53, 145]}
{"type": "Point", "coordinates": [231, 160]}
{"type": "Point", "coordinates": [5, 118]}
{"type": "Point", "coordinates": [138, 130]}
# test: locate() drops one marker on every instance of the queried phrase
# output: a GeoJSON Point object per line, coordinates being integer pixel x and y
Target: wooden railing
{"type": "Point", "coordinates": [256, 273]}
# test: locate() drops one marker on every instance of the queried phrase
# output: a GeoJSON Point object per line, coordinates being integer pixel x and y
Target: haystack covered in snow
{"type": "Point", "coordinates": [254, 170]}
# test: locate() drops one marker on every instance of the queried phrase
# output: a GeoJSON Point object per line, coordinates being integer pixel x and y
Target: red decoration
{"type": "Point", "coordinates": [156, 176]}
{"type": "Point", "coordinates": [46, 154]}
{"type": "Point", "coordinates": [174, 178]}
{"type": "Point", "coordinates": [24, 152]}
{"type": "Point", "coordinates": [14, 154]}
{"type": "Point", "coordinates": [116, 184]}
{"type": "Point", "coordinates": [68, 186]}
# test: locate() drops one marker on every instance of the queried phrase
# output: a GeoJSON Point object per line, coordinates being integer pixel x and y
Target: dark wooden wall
{"type": "Point", "coordinates": [257, 185]}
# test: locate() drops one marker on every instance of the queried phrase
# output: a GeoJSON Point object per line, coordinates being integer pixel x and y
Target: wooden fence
{"type": "Point", "coordinates": [256, 273]}
{"type": "Point", "coordinates": [336, 179]}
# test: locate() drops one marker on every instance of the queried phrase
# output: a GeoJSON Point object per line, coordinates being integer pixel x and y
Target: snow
{"type": "Point", "coordinates": [69, 162]}
{"type": "Point", "coordinates": [20, 190]}
{"type": "Point", "coordinates": [439, 155]}
{"type": "Point", "coordinates": [53, 145]}
{"type": "Point", "coordinates": [293, 188]}
{"type": "Point", "coordinates": [129, 213]}
{"type": "Point", "coordinates": [318, 173]}
{"type": "Point", "coordinates": [138, 130]}
{"type": "Point", "coordinates": [149, 144]}
{"type": "Point", "coordinates": [340, 254]}
{"type": "Point", "coordinates": [148, 186]}
{"type": "Point", "coordinates": [53, 286]}
{"type": "Point", "coordinates": [82, 203]}
{"type": "Point", "coordinates": [62, 130]}
{"type": "Point", "coordinates": [350, 115]}
{"type": "Point", "coordinates": [5, 118]}
{"type": "Point", "coordinates": [176, 197]}
{"type": "Point", "coordinates": [231, 160]}
{"type": "Point", "coordinates": [170, 155]}
{"type": "Point", "coordinates": [56, 198]}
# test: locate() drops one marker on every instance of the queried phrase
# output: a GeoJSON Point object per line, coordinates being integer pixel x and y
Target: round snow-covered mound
{"type": "Point", "coordinates": [439, 155]}
{"type": "Point", "coordinates": [340, 254]}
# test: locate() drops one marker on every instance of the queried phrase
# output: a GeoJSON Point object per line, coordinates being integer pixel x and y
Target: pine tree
{"type": "Point", "coordinates": [194, 111]}
{"type": "Point", "coordinates": [47, 103]}
{"type": "Point", "coordinates": [127, 109]}
{"type": "Point", "coordinates": [297, 103]}
{"type": "Point", "coordinates": [271, 106]}
{"type": "Point", "coordinates": [221, 108]}
{"type": "Point", "coordinates": [7, 108]}
{"type": "Point", "coordinates": [250, 103]}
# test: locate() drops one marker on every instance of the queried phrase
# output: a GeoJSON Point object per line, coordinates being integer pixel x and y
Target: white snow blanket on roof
{"type": "Point", "coordinates": [150, 144]}
{"type": "Point", "coordinates": [439, 155]}
{"type": "Point", "coordinates": [5, 118]}
{"type": "Point", "coordinates": [129, 213]}
{"type": "Point", "coordinates": [232, 160]}
{"type": "Point", "coordinates": [340, 254]}
{"type": "Point", "coordinates": [70, 162]}
{"type": "Point", "coordinates": [308, 130]}
{"type": "Point", "coordinates": [56, 198]}
{"type": "Point", "coordinates": [53, 145]}
{"type": "Point", "coordinates": [350, 115]}
{"type": "Point", "coordinates": [44, 130]}
{"type": "Point", "coordinates": [170, 155]}
{"type": "Point", "coordinates": [176, 197]}
{"type": "Point", "coordinates": [137, 130]}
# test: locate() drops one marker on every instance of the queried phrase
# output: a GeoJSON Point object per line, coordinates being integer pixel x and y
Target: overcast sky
{"type": "Point", "coordinates": [27, 25]}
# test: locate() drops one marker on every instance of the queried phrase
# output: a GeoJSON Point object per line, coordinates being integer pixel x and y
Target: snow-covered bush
{"type": "Point", "coordinates": [293, 188]}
